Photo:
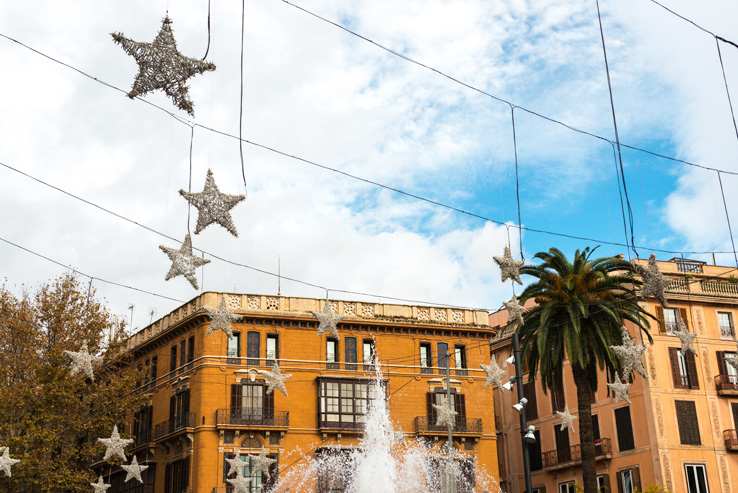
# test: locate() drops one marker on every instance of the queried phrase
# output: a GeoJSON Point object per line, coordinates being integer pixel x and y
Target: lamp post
{"type": "Point", "coordinates": [523, 425]}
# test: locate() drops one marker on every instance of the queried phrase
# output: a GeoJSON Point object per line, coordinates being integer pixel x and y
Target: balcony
{"type": "Point", "coordinates": [233, 357]}
{"type": "Point", "coordinates": [141, 439]}
{"type": "Point", "coordinates": [720, 289]}
{"type": "Point", "coordinates": [463, 426]}
{"type": "Point", "coordinates": [252, 419]}
{"type": "Point", "coordinates": [174, 425]}
{"type": "Point", "coordinates": [731, 440]}
{"type": "Point", "coordinates": [572, 456]}
{"type": "Point", "coordinates": [726, 384]}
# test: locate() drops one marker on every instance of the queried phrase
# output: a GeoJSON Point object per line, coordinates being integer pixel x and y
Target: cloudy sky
{"type": "Point", "coordinates": [316, 92]}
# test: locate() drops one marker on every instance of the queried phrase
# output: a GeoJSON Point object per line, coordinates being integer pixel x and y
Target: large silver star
{"type": "Point", "coordinates": [732, 359]}
{"type": "Point", "coordinates": [100, 486]}
{"type": "Point", "coordinates": [235, 464]}
{"type": "Point", "coordinates": [6, 462]}
{"type": "Point", "coordinates": [82, 361]}
{"type": "Point", "coordinates": [328, 320]}
{"type": "Point", "coordinates": [183, 262]}
{"type": "Point", "coordinates": [241, 484]}
{"type": "Point", "coordinates": [567, 419]}
{"type": "Point", "coordinates": [261, 463]}
{"type": "Point", "coordinates": [276, 379]}
{"type": "Point", "coordinates": [514, 311]}
{"type": "Point", "coordinates": [445, 415]}
{"type": "Point", "coordinates": [115, 445]}
{"type": "Point", "coordinates": [686, 337]}
{"type": "Point", "coordinates": [630, 355]}
{"type": "Point", "coordinates": [134, 470]}
{"type": "Point", "coordinates": [494, 373]}
{"type": "Point", "coordinates": [509, 267]}
{"type": "Point", "coordinates": [619, 389]}
{"type": "Point", "coordinates": [162, 66]}
{"type": "Point", "coordinates": [213, 206]}
{"type": "Point", "coordinates": [221, 318]}
{"type": "Point", "coordinates": [654, 282]}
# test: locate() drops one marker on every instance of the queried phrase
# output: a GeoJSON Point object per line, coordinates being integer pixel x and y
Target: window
{"type": "Point", "coordinates": [557, 400]}
{"type": "Point", "coordinates": [689, 430]}
{"type": "Point", "coordinates": [426, 358]}
{"type": "Point", "coordinates": [142, 424]}
{"type": "Point", "coordinates": [460, 360]}
{"type": "Point", "coordinates": [596, 434]}
{"type": "Point", "coordinates": [696, 478]}
{"type": "Point", "coordinates": [177, 476]}
{"type": "Point", "coordinates": [179, 411]}
{"type": "Point", "coordinates": [139, 372]}
{"type": "Point", "coordinates": [154, 369]}
{"type": "Point", "coordinates": [251, 405]}
{"type": "Point", "coordinates": [624, 429]}
{"type": "Point", "coordinates": [725, 321]}
{"type": "Point", "coordinates": [253, 350]}
{"type": "Point", "coordinates": [629, 480]}
{"type": "Point", "coordinates": [728, 374]}
{"type": "Point", "coordinates": [458, 404]}
{"type": "Point", "coordinates": [567, 487]}
{"type": "Point", "coordinates": [563, 449]}
{"type": "Point", "coordinates": [147, 372]}
{"type": "Point", "coordinates": [234, 349]}
{"type": "Point", "coordinates": [531, 409]}
{"type": "Point", "coordinates": [603, 483]}
{"type": "Point", "coordinates": [442, 350]}
{"type": "Point", "coordinates": [671, 319]}
{"type": "Point", "coordinates": [272, 349]}
{"type": "Point", "coordinates": [683, 369]}
{"type": "Point", "coordinates": [342, 403]}
{"type": "Point", "coordinates": [191, 349]}
{"type": "Point", "coordinates": [370, 354]}
{"type": "Point", "coordinates": [332, 477]}
{"type": "Point", "coordinates": [182, 353]}
{"type": "Point", "coordinates": [331, 354]}
{"type": "Point", "coordinates": [173, 358]}
{"type": "Point", "coordinates": [120, 485]}
{"type": "Point", "coordinates": [534, 452]}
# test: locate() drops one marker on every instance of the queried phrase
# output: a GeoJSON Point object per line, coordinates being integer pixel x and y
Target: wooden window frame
{"type": "Point", "coordinates": [688, 423]}
{"type": "Point", "coordinates": [626, 439]}
{"type": "Point", "coordinates": [681, 380]}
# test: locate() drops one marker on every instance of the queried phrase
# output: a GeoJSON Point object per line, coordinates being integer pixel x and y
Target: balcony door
{"type": "Point", "coordinates": [563, 449]}
{"type": "Point", "coordinates": [250, 404]}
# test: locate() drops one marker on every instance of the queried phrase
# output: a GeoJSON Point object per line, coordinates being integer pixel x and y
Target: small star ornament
{"type": "Point", "coordinates": [261, 463]}
{"type": "Point", "coordinates": [619, 389]}
{"type": "Point", "coordinates": [221, 318]}
{"type": "Point", "coordinates": [183, 262]}
{"type": "Point", "coordinates": [6, 462]}
{"type": "Point", "coordinates": [162, 66]}
{"type": "Point", "coordinates": [276, 379]}
{"type": "Point", "coordinates": [686, 337]}
{"type": "Point", "coordinates": [213, 206]}
{"type": "Point", "coordinates": [654, 282]}
{"type": "Point", "coordinates": [514, 311]}
{"type": "Point", "coordinates": [241, 484]}
{"type": "Point", "coordinates": [732, 359]}
{"type": "Point", "coordinates": [328, 321]}
{"type": "Point", "coordinates": [493, 373]}
{"type": "Point", "coordinates": [82, 361]}
{"type": "Point", "coordinates": [567, 419]}
{"type": "Point", "coordinates": [445, 415]}
{"type": "Point", "coordinates": [235, 464]}
{"type": "Point", "coordinates": [100, 486]}
{"type": "Point", "coordinates": [115, 445]}
{"type": "Point", "coordinates": [630, 355]}
{"type": "Point", "coordinates": [134, 470]}
{"type": "Point", "coordinates": [509, 266]}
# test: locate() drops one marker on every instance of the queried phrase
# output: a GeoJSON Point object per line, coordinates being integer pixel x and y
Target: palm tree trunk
{"type": "Point", "coordinates": [586, 433]}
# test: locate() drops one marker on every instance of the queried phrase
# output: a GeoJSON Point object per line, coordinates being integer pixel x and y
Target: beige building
{"type": "Point", "coordinates": [680, 428]}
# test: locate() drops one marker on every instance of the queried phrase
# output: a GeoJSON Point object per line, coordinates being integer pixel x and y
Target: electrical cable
{"type": "Point", "coordinates": [727, 216]}
{"type": "Point", "coordinates": [240, 106]}
{"type": "Point", "coordinates": [517, 184]}
{"type": "Point", "coordinates": [693, 23]}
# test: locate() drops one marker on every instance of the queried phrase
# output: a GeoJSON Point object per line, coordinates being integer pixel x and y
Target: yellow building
{"type": "Point", "coordinates": [208, 399]}
{"type": "Point", "coordinates": [680, 428]}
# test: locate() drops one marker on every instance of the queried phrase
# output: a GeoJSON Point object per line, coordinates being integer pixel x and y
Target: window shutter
{"type": "Point", "coordinates": [253, 351]}
{"type": "Point", "coordinates": [268, 402]}
{"type": "Point", "coordinates": [721, 363]}
{"type": "Point", "coordinates": [431, 411]}
{"type": "Point", "coordinates": [236, 396]}
{"type": "Point", "coordinates": [694, 382]}
{"type": "Point", "coordinates": [619, 479]}
{"type": "Point", "coordinates": [172, 406]}
{"type": "Point", "coordinates": [675, 373]}
{"type": "Point", "coordinates": [606, 484]}
{"type": "Point", "coordinates": [662, 321]}
{"type": "Point", "coordinates": [636, 479]}
{"type": "Point", "coordinates": [624, 429]}
{"type": "Point", "coordinates": [460, 405]}
{"type": "Point", "coordinates": [683, 317]}
{"type": "Point", "coordinates": [596, 426]}
{"type": "Point", "coordinates": [531, 409]}
{"type": "Point", "coordinates": [734, 408]}
{"type": "Point", "coordinates": [186, 404]}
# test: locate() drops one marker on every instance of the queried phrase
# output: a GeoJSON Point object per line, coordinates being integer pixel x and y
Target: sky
{"type": "Point", "coordinates": [317, 100]}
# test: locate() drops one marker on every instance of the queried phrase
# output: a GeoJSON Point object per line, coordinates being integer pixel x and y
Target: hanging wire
{"type": "Point", "coordinates": [727, 91]}
{"type": "Point", "coordinates": [208, 48]}
{"type": "Point", "coordinates": [517, 185]}
{"type": "Point", "coordinates": [240, 106]}
{"type": "Point", "coordinates": [727, 217]}
{"type": "Point", "coordinates": [189, 188]}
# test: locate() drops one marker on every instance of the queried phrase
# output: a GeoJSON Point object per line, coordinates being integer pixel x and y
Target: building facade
{"type": "Point", "coordinates": [208, 399]}
{"type": "Point", "coordinates": [679, 430]}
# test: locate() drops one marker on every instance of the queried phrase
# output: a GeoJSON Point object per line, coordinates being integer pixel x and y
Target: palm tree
{"type": "Point", "coordinates": [579, 311]}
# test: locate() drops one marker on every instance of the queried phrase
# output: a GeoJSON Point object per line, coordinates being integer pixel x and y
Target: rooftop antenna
{"type": "Point", "coordinates": [152, 312]}
{"type": "Point", "coordinates": [130, 307]}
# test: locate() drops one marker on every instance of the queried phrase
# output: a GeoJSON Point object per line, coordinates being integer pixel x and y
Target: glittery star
{"type": "Point", "coordinates": [213, 206]}
{"type": "Point", "coordinates": [261, 463]}
{"type": "Point", "coordinates": [619, 389]}
{"type": "Point", "coordinates": [100, 486]}
{"type": "Point", "coordinates": [567, 419]}
{"type": "Point", "coordinates": [134, 470]}
{"type": "Point", "coordinates": [686, 337]}
{"type": "Point", "coordinates": [654, 282]}
{"type": "Point", "coordinates": [328, 320]}
{"type": "Point", "coordinates": [509, 266]}
{"type": "Point", "coordinates": [732, 359]}
{"type": "Point", "coordinates": [445, 415]}
{"type": "Point", "coordinates": [235, 464]}
{"type": "Point", "coordinates": [514, 311]}
{"type": "Point", "coordinates": [162, 66]}
{"type": "Point", "coordinates": [241, 484]}
{"type": "Point", "coordinates": [115, 445]}
{"type": "Point", "coordinates": [494, 373]}
{"type": "Point", "coordinates": [276, 380]}
{"type": "Point", "coordinates": [630, 355]}
{"type": "Point", "coordinates": [6, 462]}
{"type": "Point", "coordinates": [221, 318]}
{"type": "Point", "coordinates": [183, 262]}
{"type": "Point", "coordinates": [82, 361]}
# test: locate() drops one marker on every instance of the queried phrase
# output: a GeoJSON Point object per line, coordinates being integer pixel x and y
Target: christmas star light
{"type": "Point", "coordinates": [328, 321]}
{"type": "Point", "coordinates": [134, 470]}
{"type": "Point", "coordinates": [445, 415]}
{"type": "Point", "coordinates": [686, 337]}
{"type": "Point", "coordinates": [82, 361]}
{"type": "Point", "coordinates": [261, 463]}
{"type": "Point", "coordinates": [100, 486]}
{"type": "Point", "coordinates": [235, 464]}
{"type": "Point", "coordinates": [183, 262]}
{"type": "Point", "coordinates": [654, 282]}
{"type": "Point", "coordinates": [630, 355]}
{"type": "Point", "coordinates": [276, 380]}
{"type": "Point", "coordinates": [567, 419]}
{"type": "Point", "coordinates": [493, 372]}
{"type": "Point", "coordinates": [619, 389]}
{"type": "Point", "coordinates": [213, 206]}
{"type": "Point", "coordinates": [509, 266]}
{"type": "Point", "coordinates": [6, 462]}
{"type": "Point", "coordinates": [162, 66]}
{"type": "Point", "coordinates": [515, 311]}
{"type": "Point", "coordinates": [241, 484]}
{"type": "Point", "coordinates": [115, 445]}
{"type": "Point", "coordinates": [221, 318]}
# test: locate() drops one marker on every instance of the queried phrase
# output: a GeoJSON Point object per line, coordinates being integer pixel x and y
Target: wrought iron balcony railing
{"type": "Point", "coordinates": [174, 425]}
{"type": "Point", "coordinates": [252, 418]}
{"type": "Point", "coordinates": [142, 437]}
{"type": "Point", "coordinates": [565, 456]}
{"type": "Point", "coordinates": [461, 425]}
{"type": "Point", "coordinates": [726, 383]}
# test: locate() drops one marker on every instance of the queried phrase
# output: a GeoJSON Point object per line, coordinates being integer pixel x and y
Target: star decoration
{"type": "Point", "coordinates": [82, 361]}
{"type": "Point", "coordinates": [399, 436]}
{"type": "Point", "coordinates": [183, 262]}
{"type": "Point", "coordinates": [654, 282]}
{"type": "Point", "coordinates": [162, 66]}
{"type": "Point", "coordinates": [276, 380]}
{"type": "Point", "coordinates": [445, 415]}
{"type": "Point", "coordinates": [213, 206]}
{"type": "Point", "coordinates": [240, 484]}
{"type": "Point", "coordinates": [619, 389]}
{"type": "Point", "coordinates": [134, 470]}
{"type": "Point", "coordinates": [686, 337]}
{"type": "Point", "coordinates": [221, 318]}
{"type": "Point", "coordinates": [328, 320]}
{"type": "Point", "coordinates": [261, 463]}
{"type": "Point", "coordinates": [235, 464]}
{"type": "Point", "coordinates": [630, 355]}
{"type": "Point", "coordinates": [100, 486]}
{"type": "Point", "coordinates": [115, 445]}
{"type": "Point", "coordinates": [732, 359]}
{"type": "Point", "coordinates": [509, 266]}
{"type": "Point", "coordinates": [515, 311]}
{"type": "Point", "coordinates": [494, 373]}
{"type": "Point", "coordinates": [567, 420]}
{"type": "Point", "coordinates": [6, 462]}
